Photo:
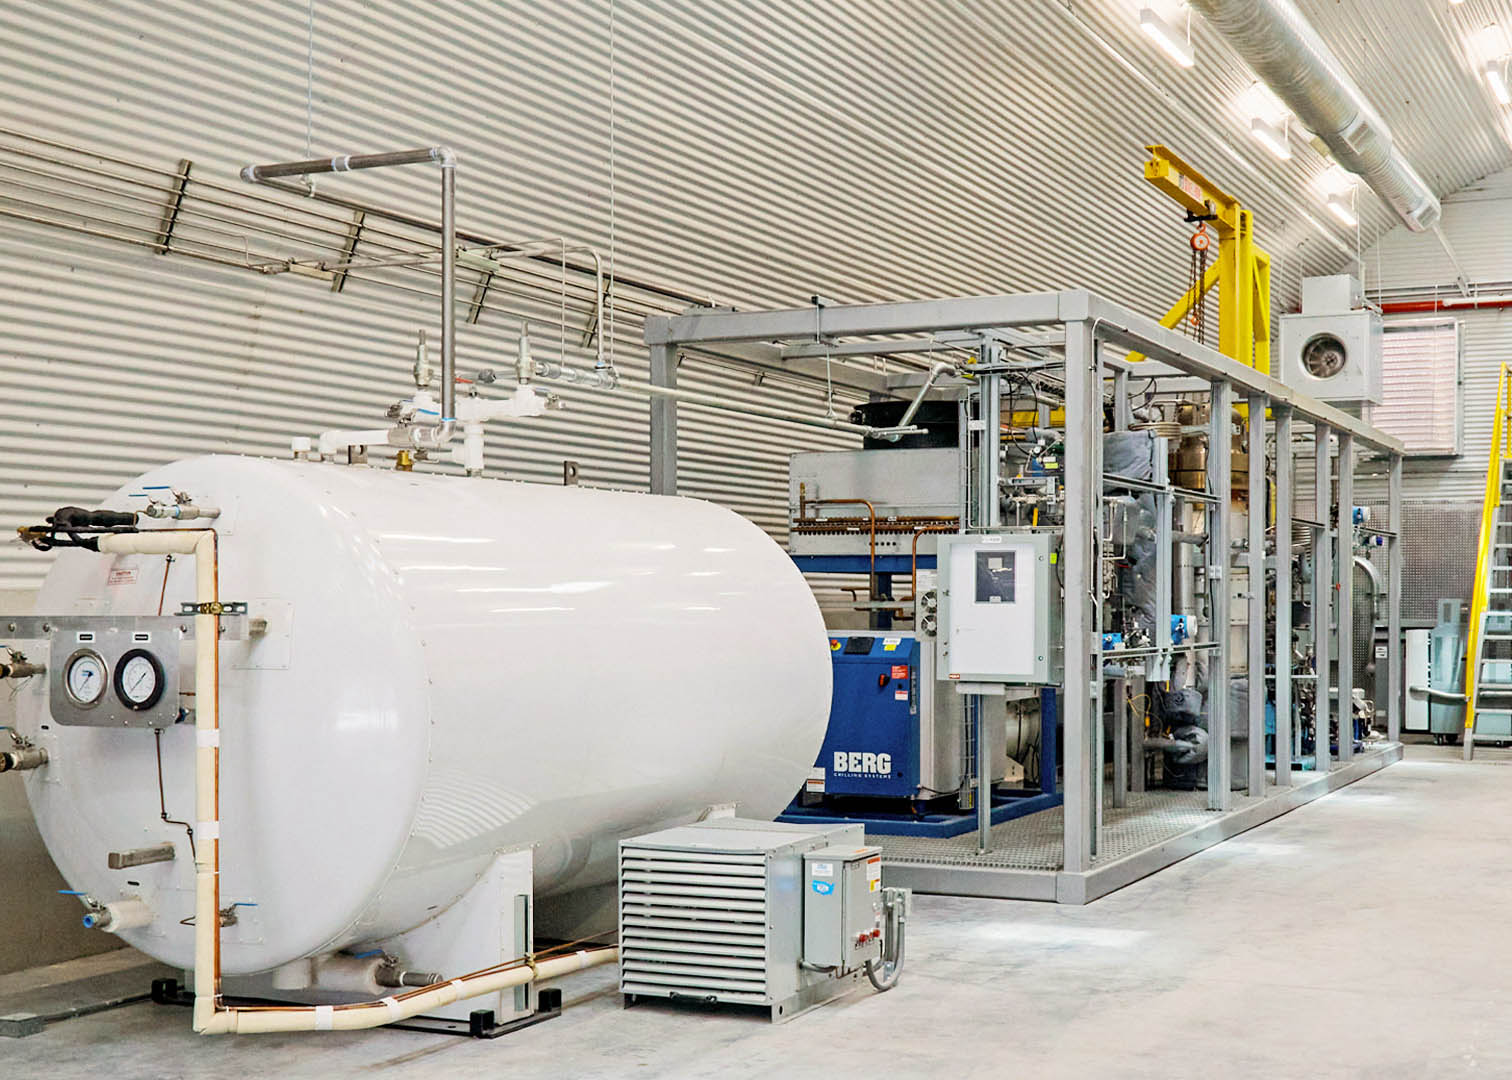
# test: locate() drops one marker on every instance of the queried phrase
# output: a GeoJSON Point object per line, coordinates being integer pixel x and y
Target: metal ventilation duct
{"type": "Point", "coordinates": [1283, 49]}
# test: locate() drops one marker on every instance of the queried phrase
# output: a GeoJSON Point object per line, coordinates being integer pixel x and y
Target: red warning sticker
{"type": "Point", "coordinates": [900, 671]}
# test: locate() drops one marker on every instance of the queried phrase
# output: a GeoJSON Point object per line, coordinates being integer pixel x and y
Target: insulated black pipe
{"type": "Point", "coordinates": [347, 162]}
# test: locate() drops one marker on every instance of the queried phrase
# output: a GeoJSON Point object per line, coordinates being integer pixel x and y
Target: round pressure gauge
{"type": "Point", "coordinates": [1324, 356]}
{"type": "Point", "coordinates": [84, 678]}
{"type": "Point", "coordinates": [139, 680]}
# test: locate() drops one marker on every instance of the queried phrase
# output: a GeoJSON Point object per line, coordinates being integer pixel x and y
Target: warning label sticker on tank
{"type": "Point", "coordinates": [900, 671]}
{"type": "Point", "coordinates": [900, 695]}
{"type": "Point", "coordinates": [121, 576]}
{"type": "Point", "coordinates": [890, 644]}
{"type": "Point", "coordinates": [874, 873]}
{"type": "Point", "coordinates": [815, 781]}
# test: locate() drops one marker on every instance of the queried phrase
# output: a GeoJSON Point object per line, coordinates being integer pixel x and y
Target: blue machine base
{"type": "Point", "coordinates": [1004, 808]}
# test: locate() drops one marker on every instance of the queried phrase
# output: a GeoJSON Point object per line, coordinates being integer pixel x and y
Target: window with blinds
{"type": "Point", "coordinates": [1420, 382]}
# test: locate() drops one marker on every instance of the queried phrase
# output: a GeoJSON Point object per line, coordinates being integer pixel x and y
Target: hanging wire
{"type": "Point", "coordinates": [310, 83]}
{"type": "Point", "coordinates": [613, 149]}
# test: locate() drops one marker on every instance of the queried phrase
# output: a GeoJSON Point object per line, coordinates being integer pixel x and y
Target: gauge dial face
{"type": "Point", "coordinates": [139, 679]}
{"type": "Point", "coordinates": [84, 678]}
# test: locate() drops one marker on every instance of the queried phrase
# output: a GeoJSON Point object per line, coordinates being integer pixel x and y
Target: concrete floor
{"type": "Point", "coordinates": [1359, 936]}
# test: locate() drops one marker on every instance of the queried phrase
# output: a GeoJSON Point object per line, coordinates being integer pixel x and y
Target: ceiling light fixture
{"type": "Point", "coordinates": [1275, 139]}
{"type": "Point", "coordinates": [1496, 76]}
{"type": "Point", "coordinates": [1178, 48]}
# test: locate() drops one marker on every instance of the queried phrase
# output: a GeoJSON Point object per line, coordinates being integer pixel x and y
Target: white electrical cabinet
{"type": "Point", "coordinates": [999, 604]}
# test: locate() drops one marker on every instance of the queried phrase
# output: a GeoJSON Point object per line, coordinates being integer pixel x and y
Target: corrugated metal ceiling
{"type": "Point", "coordinates": [765, 151]}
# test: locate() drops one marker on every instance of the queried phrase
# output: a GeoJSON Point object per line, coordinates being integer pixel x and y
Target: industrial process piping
{"type": "Point", "coordinates": [419, 438]}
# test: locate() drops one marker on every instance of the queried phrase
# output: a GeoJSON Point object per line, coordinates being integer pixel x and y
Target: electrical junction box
{"type": "Point", "coordinates": [713, 912]}
{"type": "Point", "coordinates": [894, 731]}
{"type": "Point", "coordinates": [999, 608]}
{"type": "Point", "coordinates": [1332, 350]}
{"type": "Point", "coordinates": [842, 907]}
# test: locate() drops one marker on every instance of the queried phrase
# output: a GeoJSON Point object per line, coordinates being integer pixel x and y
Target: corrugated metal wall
{"type": "Point", "coordinates": [765, 151]}
{"type": "Point", "coordinates": [1478, 225]}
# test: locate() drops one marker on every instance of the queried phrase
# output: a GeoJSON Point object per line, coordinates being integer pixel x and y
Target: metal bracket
{"type": "Point", "coordinates": [227, 607]}
{"type": "Point", "coordinates": [348, 251]}
{"type": "Point", "coordinates": [480, 293]}
{"type": "Point", "coordinates": [171, 210]}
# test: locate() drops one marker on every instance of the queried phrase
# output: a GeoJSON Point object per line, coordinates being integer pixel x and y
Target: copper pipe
{"type": "Point", "coordinates": [871, 581]}
{"type": "Point", "coordinates": [913, 577]}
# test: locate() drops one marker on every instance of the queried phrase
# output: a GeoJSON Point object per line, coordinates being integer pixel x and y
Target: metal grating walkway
{"type": "Point", "coordinates": [1035, 842]}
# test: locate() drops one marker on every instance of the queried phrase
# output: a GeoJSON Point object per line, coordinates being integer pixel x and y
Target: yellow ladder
{"type": "Point", "coordinates": [1488, 656]}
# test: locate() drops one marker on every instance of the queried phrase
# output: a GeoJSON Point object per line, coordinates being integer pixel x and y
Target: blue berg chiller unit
{"type": "Point", "coordinates": [872, 747]}
{"type": "Point", "coordinates": [898, 754]}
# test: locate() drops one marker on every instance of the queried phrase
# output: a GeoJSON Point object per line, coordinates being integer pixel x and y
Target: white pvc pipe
{"type": "Point", "coordinates": [370, 1014]}
{"type": "Point", "coordinates": [201, 543]}
{"type": "Point", "coordinates": [120, 915]}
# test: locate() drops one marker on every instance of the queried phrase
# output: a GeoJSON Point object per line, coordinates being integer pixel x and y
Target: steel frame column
{"type": "Point", "coordinates": [1083, 645]}
{"type": "Point", "coordinates": [1258, 507]}
{"type": "Point", "coordinates": [1394, 651]}
{"type": "Point", "coordinates": [1344, 597]}
{"type": "Point", "coordinates": [1285, 481]}
{"type": "Point", "coordinates": [989, 515]}
{"type": "Point", "coordinates": [1322, 608]}
{"type": "Point", "coordinates": [1220, 444]}
{"type": "Point", "coordinates": [1121, 726]}
{"type": "Point", "coordinates": [664, 421]}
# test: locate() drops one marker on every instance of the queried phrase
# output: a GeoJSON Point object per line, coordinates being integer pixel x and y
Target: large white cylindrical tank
{"type": "Point", "coordinates": [452, 668]}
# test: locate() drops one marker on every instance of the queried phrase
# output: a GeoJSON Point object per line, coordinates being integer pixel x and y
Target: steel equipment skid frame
{"type": "Point", "coordinates": [1087, 322]}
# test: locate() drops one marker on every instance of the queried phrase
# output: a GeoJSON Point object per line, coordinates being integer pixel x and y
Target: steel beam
{"type": "Point", "coordinates": [1119, 325]}
{"type": "Point", "coordinates": [1258, 506]}
{"type": "Point", "coordinates": [1344, 596]}
{"type": "Point", "coordinates": [1322, 592]}
{"type": "Point", "coordinates": [1083, 644]}
{"type": "Point", "coordinates": [1285, 480]}
{"type": "Point", "coordinates": [1394, 651]}
{"type": "Point", "coordinates": [664, 422]}
{"type": "Point", "coordinates": [904, 317]}
{"type": "Point", "coordinates": [1121, 725]}
{"type": "Point", "coordinates": [1219, 555]}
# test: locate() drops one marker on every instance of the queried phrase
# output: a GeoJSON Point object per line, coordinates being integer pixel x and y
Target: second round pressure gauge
{"type": "Point", "coordinates": [139, 680]}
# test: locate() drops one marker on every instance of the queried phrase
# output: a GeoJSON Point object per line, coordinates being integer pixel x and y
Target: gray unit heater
{"type": "Point", "coordinates": [713, 912]}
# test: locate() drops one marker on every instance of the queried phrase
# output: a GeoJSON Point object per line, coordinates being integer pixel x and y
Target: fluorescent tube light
{"type": "Point", "coordinates": [1498, 80]}
{"type": "Point", "coordinates": [1273, 137]}
{"type": "Point", "coordinates": [1176, 46]}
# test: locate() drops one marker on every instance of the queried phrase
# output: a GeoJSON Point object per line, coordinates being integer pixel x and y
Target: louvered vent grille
{"type": "Point", "coordinates": [694, 923]}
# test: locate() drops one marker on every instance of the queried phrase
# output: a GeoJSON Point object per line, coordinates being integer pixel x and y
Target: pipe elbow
{"type": "Point", "coordinates": [444, 156]}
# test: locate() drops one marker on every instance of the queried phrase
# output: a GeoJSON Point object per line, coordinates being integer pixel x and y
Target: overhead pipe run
{"type": "Point", "coordinates": [1283, 49]}
{"type": "Point", "coordinates": [420, 438]}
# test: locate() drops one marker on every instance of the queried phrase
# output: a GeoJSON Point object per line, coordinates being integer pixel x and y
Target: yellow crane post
{"type": "Point", "coordinates": [1242, 272]}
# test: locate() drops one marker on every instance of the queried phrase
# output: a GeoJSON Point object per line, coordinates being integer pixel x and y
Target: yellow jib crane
{"type": "Point", "coordinates": [1242, 272]}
